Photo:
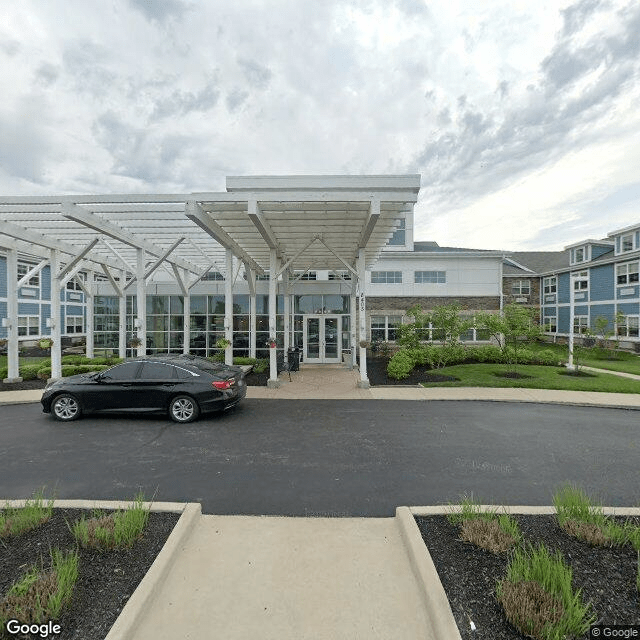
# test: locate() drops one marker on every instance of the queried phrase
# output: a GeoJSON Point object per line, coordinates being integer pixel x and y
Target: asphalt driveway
{"type": "Point", "coordinates": [327, 457]}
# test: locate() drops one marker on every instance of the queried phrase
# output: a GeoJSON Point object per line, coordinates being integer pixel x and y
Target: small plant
{"type": "Point", "coordinates": [41, 595]}
{"type": "Point", "coordinates": [586, 521]}
{"type": "Point", "coordinates": [45, 343]}
{"type": "Point", "coordinates": [17, 520]}
{"type": "Point", "coordinates": [261, 365]}
{"type": "Point", "coordinates": [364, 344]}
{"type": "Point", "coordinates": [485, 528]}
{"type": "Point", "coordinates": [538, 597]}
{"type": "Point", "coordinates": [134, 342]}
{"type": "Point", "coordinates": [3, 342]}
{"type": "Point", "coordinates": [222, 343]}
{"type": "Point", "coordinates": [118, 530]}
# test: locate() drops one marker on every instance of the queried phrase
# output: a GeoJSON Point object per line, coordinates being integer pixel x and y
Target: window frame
{"type": "Point", "coordinates": [29, 325]}
{"type": "Point", "coordinates": [552, 322]}
{"type": "Point", "coordinates": [430, 277]}
{"type": "Point", "coordinates": [387, 329]}
{"type": "Point", "coordinates": [23, 269]}
{"type": "Point", "coordinates": [622, 329]}
{"type": "Point", "coordinates": [517, 287]}
{"type": "Point", "coordinates": [390, 277]}
{"type": "Point", "coordinates": [580, 324]}
{"type": "Point", "coordinates": [75, 318]}
{"type": "Point", "coordinates": [631, 235]}
{"type": "Point", "coordinates": [550, 285]}
{"type": "Point", "coordinates": [580, 278]}
{"type": "Point", "coordinates": [627, 274]}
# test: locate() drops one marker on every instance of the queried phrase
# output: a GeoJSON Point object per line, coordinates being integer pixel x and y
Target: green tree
{"type": "Point", "coordinates": [515, 325]}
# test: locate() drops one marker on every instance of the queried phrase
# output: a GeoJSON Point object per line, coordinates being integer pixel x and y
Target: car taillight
{"type": "Point", "coordinates": [221, 384]}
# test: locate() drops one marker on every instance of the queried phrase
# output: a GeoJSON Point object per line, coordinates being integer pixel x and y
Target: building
{"type": "Point", "coordinates": [341, 249]}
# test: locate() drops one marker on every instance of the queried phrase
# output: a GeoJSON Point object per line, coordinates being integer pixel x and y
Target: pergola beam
{"type": "Point", "coordinates": [372, 220]}
{"type": "Point", "coordinates": [78, 258]}
{"type": "Point", "coordinates": [263, 227]}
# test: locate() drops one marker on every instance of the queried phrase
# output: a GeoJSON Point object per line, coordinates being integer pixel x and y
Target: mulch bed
{"type": "Point", "coordinates": [377, 374]}
{"type": "Point", "coordinates": [469, 575]}
{"type": "Point", "coordinates": [106, 578]}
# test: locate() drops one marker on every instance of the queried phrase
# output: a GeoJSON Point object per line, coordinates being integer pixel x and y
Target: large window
{"type": "Point", "coordinates": [383, 328]}
{"type": "Point", "coordinates": [551, 324]}
{"type": "Point", "coordinates": [430, 277]}
{"type": "Point", "coordinates": [28, 325]}
{"type": "Point", "coordinates": [106, 322]}
{"type": "Point", "coordinates": [521, 287]}
{"type": "Point", "coordinates": [212, 275]}
{"type": "Point", "coordinates": [627, 273]}
{"type": "Point", "coordinates": [386, 277]}
{"type": "Point", "coordinates": [339, 275]}
{"type": "Point", "coordinates": [23, 269]}
{"type": "Point", "coordinates": [399, 235]}
{"type": "Point", "coordinates": [550, 284]}
{"type": "Point", "coordinates": [628, 326]}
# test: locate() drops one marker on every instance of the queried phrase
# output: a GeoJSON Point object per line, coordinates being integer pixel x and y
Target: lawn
{"type": "Point", "coordinates": [22, 360]}
{"type": "Point", "coordinates": [484, 375]}
{"type": "Point", "coordinates": [599, 358]}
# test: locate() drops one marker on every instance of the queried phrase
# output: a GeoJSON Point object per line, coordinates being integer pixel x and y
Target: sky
{"type": "Point", "coordinates": [521, 116]}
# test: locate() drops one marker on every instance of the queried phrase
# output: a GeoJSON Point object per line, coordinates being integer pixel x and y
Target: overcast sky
{"type": "Point", "coordinates": [521, 116]}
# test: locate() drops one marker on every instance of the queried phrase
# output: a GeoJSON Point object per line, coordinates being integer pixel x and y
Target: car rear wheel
{"type": "Point", "coordinates": [66, 407]}
{"type": "Point", "coordinates": [183, 409]}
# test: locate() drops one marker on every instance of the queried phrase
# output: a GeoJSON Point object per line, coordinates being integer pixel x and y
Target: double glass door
{"type": "Point", "coordinates": [322, 339]}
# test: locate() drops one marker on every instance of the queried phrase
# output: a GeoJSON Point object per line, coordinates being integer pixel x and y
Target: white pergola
{"type": "Point", "coordinates": [274, 224]}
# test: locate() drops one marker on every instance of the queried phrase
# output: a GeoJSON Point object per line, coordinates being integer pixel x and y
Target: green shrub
{"type": "Point", "coordinates": [4, 372]}
{"type": "Point", "coordinates": [261, 365]}
{"type": "Point", "coordinates": [488, 353]}
{"type": "Point", "coordinates": [29, 371]}
{"type": "Point", "coordinates": [401, 365]}
{"type": "Point", "coordinates": [244, 361]}
{"type": "Point", "coordinates": [546, 357]}
{"type": "Point", "coordinates": [44, 373]}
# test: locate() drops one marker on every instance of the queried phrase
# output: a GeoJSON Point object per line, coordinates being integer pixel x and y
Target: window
{"type": "Point", "coordinates": [550, 284]}
{"type": "Point", "coordinates": [521, 287]}
{"type": "Point", "coordinates": [212, 275]}
{"type": "Point", "coordinates": [23, 269]}
{"type": "Point", "coordinates": [580, 280]}
{"type": "Point", "coordinates": [75, 324]}
{"type": "Point", "coordinates": [339, 275]}
{"type": "Point", "coordinates": [307, 275]}
{"type": "Point", "coordinates": [551, 324]}
{"type": "Point", "coordinates": [386, 277]}
{"type": "Point", "coordinates": [121, 372]}
{"type": "Point", "coordinates": [627, 273]}
{"type": "Point", "coordinates": [628, 326]}
{"type": "Point", "coordinates": [28, 325]}
{"type": "Point", "coordinates": [383, 328]}
{"type": "Point", "coordinates": [262, 276]}
{"type": "Point", "coordinates": [580, 324]}
{"type": "Point", "coordinates": [399, 235]}
{"type": "Point", "coordinates": [73, 285]}
{"type": "Point", "coordinates": [157, 371]}
{"type": "Point", "coordinates": [430, 277]}
{"type": "Point", "coordinates": [626, 243]}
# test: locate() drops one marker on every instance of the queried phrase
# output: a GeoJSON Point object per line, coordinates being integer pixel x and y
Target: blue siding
{"type": "Point", "coordinates": [3, 278]}
{"type": "Point", "coordinates": [626, 296]}
{"type": "Point", "coordinates": [597, 251]}
{"type": "Point", "coordinates": [74, 310]}
{"type": "Point", "coordinates": [629, 308]}
{"type": "Point", "coordinates": [563, 287]}
{"type": "Point", "coordinates": [45, 313]}
{"type": "Point", "coordinates": [601, 282]}
{"type": "Point", "coordinates": [607, 311]}
{"type": "Point", "coordinates": [581, 310]}
{"type": "Point", "coordinates": [563, 320]}
{"type": "Point", "coordinates": [549, 311]}
{"type": "Point", "coordinates": [45, 283]}
{"type": "Point", "coordinates": [28, 309]}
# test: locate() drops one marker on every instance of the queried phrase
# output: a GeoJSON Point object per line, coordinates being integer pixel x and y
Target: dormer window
{"type": "Point", "coordinates": [580, 254]}
{"type": "Point", "coordinates": [626, 243]}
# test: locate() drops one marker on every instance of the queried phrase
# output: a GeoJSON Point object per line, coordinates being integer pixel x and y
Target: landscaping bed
{"type": "Point", "coordinates": [106, 579]}
{"type": "Point", "coordinates": [469, 575]}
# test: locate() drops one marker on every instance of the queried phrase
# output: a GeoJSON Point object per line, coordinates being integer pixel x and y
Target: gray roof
{"type": "Point", "coordinates": [537, 261]}
{"type": "Point", "coordinates": [431, 245]}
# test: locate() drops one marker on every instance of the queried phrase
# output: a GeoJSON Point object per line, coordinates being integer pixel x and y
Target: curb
{"type": "Point", "coordinates": [130, 617]}
{"type": "Point", "coordinates": [443, 625]}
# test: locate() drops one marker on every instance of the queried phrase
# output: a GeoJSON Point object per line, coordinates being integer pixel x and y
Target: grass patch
{"type": "Point", "coordinates": [118, 530]}
{"type": "Point", "coordinates": [17, 520]}
{"type": "Point", "coordinates": [538, 597]}
{"type": "Point", "coordinates": [485, 529]}
{"type": "Point", "coordinates": [541, 377]}
{"type": "Point", "coordinates": [41, 595]}
{"type": "Point", "coordinates": [579, 517]}
{"type": "Point", "coordinates": [623, 361]}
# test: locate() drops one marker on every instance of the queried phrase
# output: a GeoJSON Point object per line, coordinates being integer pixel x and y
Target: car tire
{"type": "Point", "coordinates": [183, 409]}
{"type": "Point", "coordinates": [66, 407]}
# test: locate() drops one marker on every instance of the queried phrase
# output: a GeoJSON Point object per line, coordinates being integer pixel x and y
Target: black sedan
{"type": "Point", "coordinates": [184, 386]}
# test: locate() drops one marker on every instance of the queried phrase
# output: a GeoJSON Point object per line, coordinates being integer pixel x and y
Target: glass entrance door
{"type": "Point", "coordinates": [322, 340]}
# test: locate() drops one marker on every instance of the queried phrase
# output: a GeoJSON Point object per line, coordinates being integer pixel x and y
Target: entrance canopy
{"type": "Point", "coordinates": [312, 222]}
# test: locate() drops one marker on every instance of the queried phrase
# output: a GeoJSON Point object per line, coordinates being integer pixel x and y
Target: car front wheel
{"type": "Point", "coordinates": [183, 409]}
{"type": "Point", "coordinates": [66, 408]}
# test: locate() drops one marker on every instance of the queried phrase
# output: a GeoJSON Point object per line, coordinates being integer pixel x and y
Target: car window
{"type": "Point", "coordinates": [157, 371]}
{"type": "Point", "coordinates": [124, 371]}
{"type": "Point", "coordinates": [184, 373]}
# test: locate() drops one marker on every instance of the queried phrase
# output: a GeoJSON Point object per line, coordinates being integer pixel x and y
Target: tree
{"type": "Point", "coordinates": [509, 328]}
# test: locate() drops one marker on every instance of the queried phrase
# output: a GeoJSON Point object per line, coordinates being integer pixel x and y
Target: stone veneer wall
{"type": "Point", "coordinates": [402, 303]}
{"type": "Point", "coordinates": [534, 296]}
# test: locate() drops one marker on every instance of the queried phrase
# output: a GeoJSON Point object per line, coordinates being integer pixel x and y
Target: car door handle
{"type": "Point", "coordinates": [127, 384]}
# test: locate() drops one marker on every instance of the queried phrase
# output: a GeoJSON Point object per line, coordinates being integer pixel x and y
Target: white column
{"type": "Point", "coordinates": [287, 314]}
{"type": "Point", "coordinates": [88, 299]}
{"type": "Point", "coordinates": [228, 306]}
{"type": "Point", "coordinates": [13, 362]}
{"type": "Point", "coordinates": [122, 316]}
{"type": "Point", "coordinates": [273, 368]}
{"type": "Point", "coordinates": [252, 323]}
{"type": "Point", "coordinates": [141, 301]}
{"type": "Point", "coordinates": [362, 319]}
{"type": "Point", "coordinates": [352, 323]}
{"type": "Point", "coordinates": [572, 302]}
{"type": "Point", "coordinates": [56, 333]}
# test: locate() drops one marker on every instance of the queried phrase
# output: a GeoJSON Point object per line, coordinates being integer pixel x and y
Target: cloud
{"type": "Point", "coordinates": [159, 10]}
{"type": "Point", "coordinates": [184, 102]}
{"type": "Point", "coordinates": [257, 75]}
{"type": "Point", "coordinates": [46, 74]}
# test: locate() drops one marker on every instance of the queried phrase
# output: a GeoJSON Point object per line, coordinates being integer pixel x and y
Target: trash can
{"type": "Point", "coordinates": [293, 356]}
